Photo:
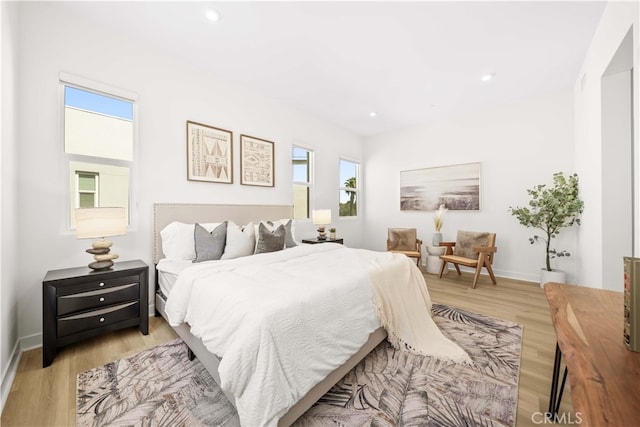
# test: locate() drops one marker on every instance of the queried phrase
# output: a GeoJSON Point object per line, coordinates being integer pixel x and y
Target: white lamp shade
{"type": "Point", "coordinates": [322, 216]}
{"type": "Point", "coordinates": [100, 222]}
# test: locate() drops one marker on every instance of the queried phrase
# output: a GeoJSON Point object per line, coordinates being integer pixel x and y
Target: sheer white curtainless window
{"type": "Point", "coordinates": [99, 140]}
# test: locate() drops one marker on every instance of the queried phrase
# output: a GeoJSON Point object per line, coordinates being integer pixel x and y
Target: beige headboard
{"type": "Point", "coordinates": [165, 213]}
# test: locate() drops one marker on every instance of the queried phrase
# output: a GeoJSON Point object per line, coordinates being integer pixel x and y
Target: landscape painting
{"type": "Point", "coordinates": [457, 187]}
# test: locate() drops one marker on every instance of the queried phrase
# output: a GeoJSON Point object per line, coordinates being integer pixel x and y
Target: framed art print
{"type": "Point", "coordinates": [256, 161]}
{"type": "Point", "coordinates": [209, 153]}
{"type": "Point", "coordinates": [457, 187]}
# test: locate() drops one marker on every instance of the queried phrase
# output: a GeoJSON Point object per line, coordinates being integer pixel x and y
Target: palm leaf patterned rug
{"type": "Point", "coordinates": [161, 387]}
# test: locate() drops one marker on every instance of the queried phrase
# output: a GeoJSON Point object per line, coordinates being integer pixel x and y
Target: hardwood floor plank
{"type": "Point", "coordinates": [46, 397]}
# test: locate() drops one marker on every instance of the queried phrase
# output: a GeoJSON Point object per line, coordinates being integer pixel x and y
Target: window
{"type": "Point", "coordinates": [348, 188]}
{"type": "Point", "coordinates": [302, 165]}
{"type": "Point", "coordinates": [87, 186]}
{"type": "Point", "coordinates": [99, 132]}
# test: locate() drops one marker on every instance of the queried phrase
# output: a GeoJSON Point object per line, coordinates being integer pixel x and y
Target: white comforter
{"type": "Point", "coordinates": [283, 321]}
{"type": "Point", "coordinates": [270, 316]}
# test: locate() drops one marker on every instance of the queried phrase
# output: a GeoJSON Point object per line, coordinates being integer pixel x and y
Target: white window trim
{"type": "Point", "coordinates": [310, 183]}
{"type": "Point", "coordinates": [68, 79]}
{"type": "Point", "coordinates": [357, 189]}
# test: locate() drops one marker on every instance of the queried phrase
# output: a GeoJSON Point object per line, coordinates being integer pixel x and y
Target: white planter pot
{"type": "Point", "coordinates": [437, 238]}
{"type": "Point", "coordinates": [554, 275]}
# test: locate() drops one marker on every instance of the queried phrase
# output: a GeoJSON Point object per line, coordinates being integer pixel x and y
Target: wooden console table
{"type": "Point", "coordinates": [604, 374]}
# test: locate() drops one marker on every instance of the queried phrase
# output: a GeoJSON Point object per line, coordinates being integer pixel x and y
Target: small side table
{"type": "Point", "coordinates": [433, 258]}
{"type": "Point", "coordinates": [315, 240]}
{"type": "Point", "coordinates": [80, 303]}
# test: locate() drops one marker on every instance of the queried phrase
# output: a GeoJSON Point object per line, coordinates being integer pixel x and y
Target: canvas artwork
{"type": "Point", "coordinates": [256, 161]}
{"type": "Point", "coordinates": [209, 153]}
{"type": "Point", "coordinates": [456, 186]}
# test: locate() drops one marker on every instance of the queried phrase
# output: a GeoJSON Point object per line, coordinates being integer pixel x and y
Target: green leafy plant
{"type": "Point", "coordinates": [332, 230]}
{"type": "Point", "coordinates": [551, 209]}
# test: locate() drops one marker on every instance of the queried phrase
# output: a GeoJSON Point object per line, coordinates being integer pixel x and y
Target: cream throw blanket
{"type": "Point", "coordinates": [403, 306]}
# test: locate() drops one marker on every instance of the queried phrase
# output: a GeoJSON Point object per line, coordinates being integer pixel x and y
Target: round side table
{"type": "Point", "coordinates": [433, 258]}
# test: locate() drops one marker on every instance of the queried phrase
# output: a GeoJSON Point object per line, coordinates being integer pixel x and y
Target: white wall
{"type": "Point", "coordinates": [171, 91]}
{"type": "Point", "coordinates": [9, 282]}
{"type": "Point", "coordinates": [616, 21]}
{"type": "Point", "coordinates": [519, 145]}
{"type": "Point", "coordinates": [617, 206]}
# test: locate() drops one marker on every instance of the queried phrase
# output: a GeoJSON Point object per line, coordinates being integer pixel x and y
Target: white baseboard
{"type": "Point", "coordinates": [501, 273]}
{"type": "Point", "coordinates": [22, 345]}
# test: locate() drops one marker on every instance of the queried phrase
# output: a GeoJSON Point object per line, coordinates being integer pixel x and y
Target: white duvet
{"type": "Point", "coordinates": [281, 321]}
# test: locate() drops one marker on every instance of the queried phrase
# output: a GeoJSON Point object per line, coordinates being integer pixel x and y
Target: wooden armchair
{"type": "Point", "coordinates": [471, 249]}
{"type": "Point", "coordinates": [405, 241]}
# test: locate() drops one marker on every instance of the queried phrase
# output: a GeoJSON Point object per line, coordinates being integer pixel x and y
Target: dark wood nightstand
{"type": "Point", "coordinates": [315, 240]}
{"type": "Point", "coordinates": [79, 303]}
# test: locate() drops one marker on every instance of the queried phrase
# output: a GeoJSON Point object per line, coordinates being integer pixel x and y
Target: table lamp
{"type": "Point", "coordinates": [98, 223]}
{"type": "Point", "coordinates": [321, 218]}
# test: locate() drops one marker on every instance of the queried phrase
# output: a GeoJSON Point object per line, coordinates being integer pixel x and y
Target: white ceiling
{"type": "Point", "coordinates": [410, 62]}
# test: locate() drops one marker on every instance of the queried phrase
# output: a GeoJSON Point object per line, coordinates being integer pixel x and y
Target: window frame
{"type": "Point", "coordinates": [342, 187]}
{"type": "Point", "coordinates": [311, 178]}
{"type": "Point", "coordinates": [67, 79]}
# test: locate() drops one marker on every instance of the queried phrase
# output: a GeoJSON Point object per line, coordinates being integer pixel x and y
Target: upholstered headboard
{"type": "Point", "coordinates": [165, 213]}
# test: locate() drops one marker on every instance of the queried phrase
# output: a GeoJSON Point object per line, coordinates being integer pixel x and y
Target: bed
{"type": "Point", "coordinates": [200, 339]}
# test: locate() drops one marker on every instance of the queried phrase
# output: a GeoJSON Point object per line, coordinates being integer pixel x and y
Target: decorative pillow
{"type": "Point", "coordinates": [467, 240]}
{"type": "Point", "coordinates": [289, 238]}
{"type": "Point", "coordinates": [270, 241]}
{"type": "Point", "coordinates": [178, 242]}
{"type": "Point", "coordinates": [209, 245]}
{"type": "Point", "coordinates": [241, 241]}
{"type": "Point", "coordinates": [402, 239]}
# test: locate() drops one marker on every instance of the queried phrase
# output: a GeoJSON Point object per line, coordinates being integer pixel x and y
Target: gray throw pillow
{"type": "Point", "coordinates": [270, 241]}
{"type": "Point", "coordinates": [288, 234]}
{"type": "Point", "coordinates": [209, 246]}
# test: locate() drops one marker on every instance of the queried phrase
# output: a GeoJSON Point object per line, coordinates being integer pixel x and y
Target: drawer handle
{"type": "Point", "coordinates": [101, 319]}
{"type": "Point", "coordinates": [101, 284]}
{"type": "Point", "coordinates": [101, 299]}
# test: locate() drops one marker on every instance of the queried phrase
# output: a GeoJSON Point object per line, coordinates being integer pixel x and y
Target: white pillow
{"type": "Point", "coordinates": [241, 241]}
{"type": "Point", "coordinates": [178, 242]}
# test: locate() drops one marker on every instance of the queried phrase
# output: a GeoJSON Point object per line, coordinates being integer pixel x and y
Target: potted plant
{"type": "Point", "coordinates": [550, 210]}
{"type": "Point", "coordinates": [332, 233]}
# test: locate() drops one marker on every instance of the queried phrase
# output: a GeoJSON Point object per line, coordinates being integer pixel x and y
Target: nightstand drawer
{"type": "Point", "coordinates": [97, 298]}
{"type": "Point", "coordinates": [97, 318]}
{"type": "Point", "coordinates": [97, 284]}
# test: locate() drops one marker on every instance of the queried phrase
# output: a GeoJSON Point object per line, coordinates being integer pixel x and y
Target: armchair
{"type": "Point", "coordinates": [471, 249]}
{"type": "Point", "coordinates": [405, 241]}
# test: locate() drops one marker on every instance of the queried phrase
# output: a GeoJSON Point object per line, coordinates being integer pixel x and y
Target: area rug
{"type": "Point", "coordinates": [161, 387]}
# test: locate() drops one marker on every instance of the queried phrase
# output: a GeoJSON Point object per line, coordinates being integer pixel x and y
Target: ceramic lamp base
{"type": "Point", "coordinates": [322, 235]}
{"type": "Point", "coordinates": [101, 251]}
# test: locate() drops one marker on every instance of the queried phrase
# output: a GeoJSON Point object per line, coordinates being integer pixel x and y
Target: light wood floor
{"type": "Point", "coordinates": [46, 397]}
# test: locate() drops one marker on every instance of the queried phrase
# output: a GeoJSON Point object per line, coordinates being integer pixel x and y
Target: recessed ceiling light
{"type": "Point", "coordinates": [488, 77]}
{"type": "Point", "coordinates": [373, 114]}
{"type": "Point", "coordinates": [212, 15]}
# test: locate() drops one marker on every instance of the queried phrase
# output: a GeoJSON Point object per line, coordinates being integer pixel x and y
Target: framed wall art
{"type": "Point", "coordinates": [457, 187]}
{"type": "Point", "coordinates": [256, 161]}
{"type": "Point", "coordinates": [209, 153]}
